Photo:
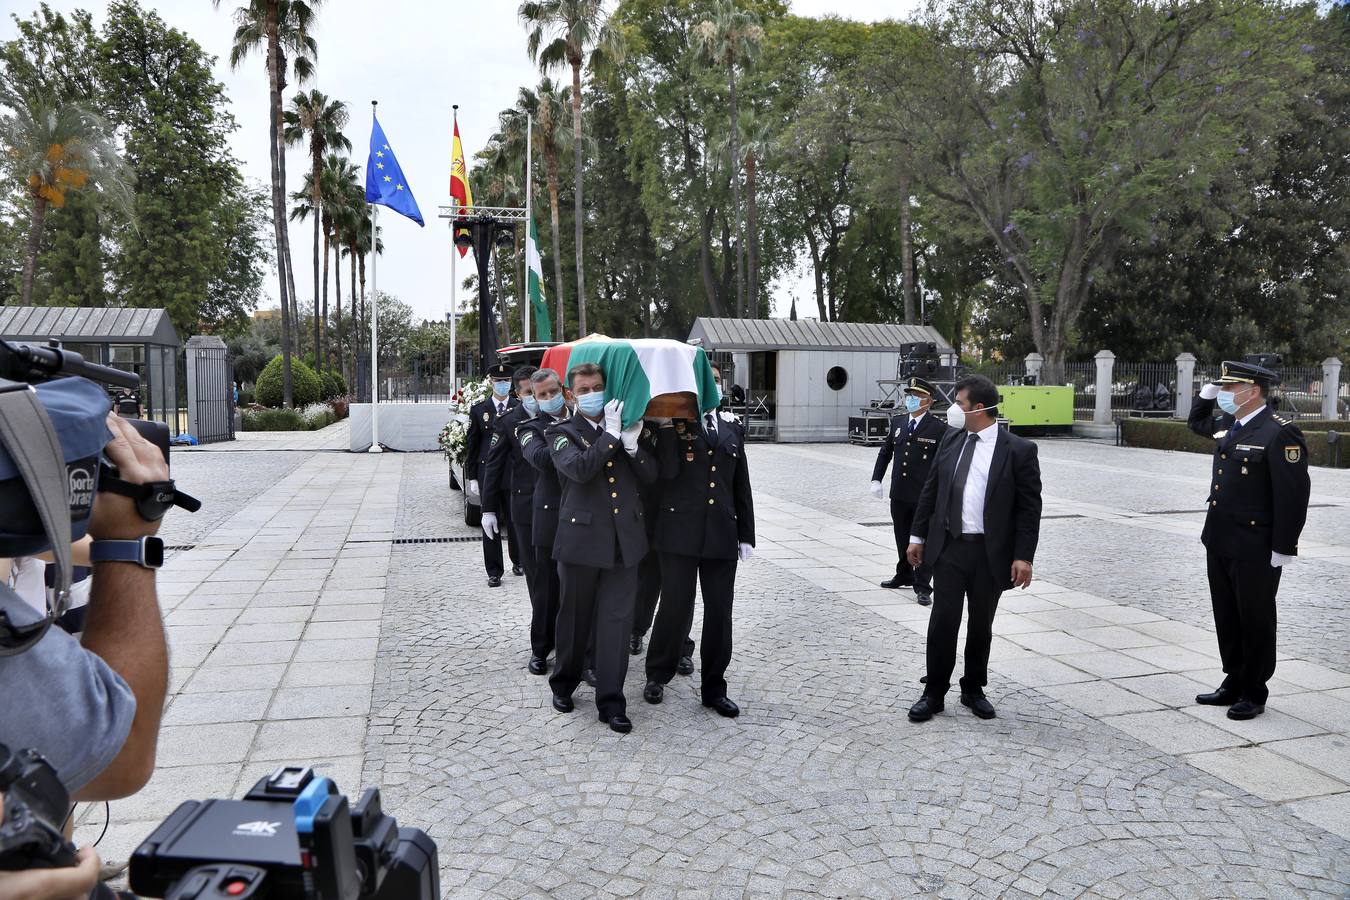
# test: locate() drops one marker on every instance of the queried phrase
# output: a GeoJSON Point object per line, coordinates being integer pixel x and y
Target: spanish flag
{"type": "Point", "coordinates": [460, 192]}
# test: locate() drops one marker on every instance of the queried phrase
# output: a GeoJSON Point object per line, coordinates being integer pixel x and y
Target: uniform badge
{"type": "Point", "coordinates": [646, 434]}
{"type": "Point", "coordinates": [560, 442]}
{"type": "Point", "coordinates": [1293, 454]}
{"type": "Point", "coordinates": [897, 431]}
{"type": "Point", "coordinates": [493, 442]}
{"type": "Point", "coordinates": [689, 457]}
{"type": "Point", "coordinates": [1220, 435]}
{"type": "Point", "coordinates": [526, 438]}
{"type": "Point", "coordinates": [486, 416]}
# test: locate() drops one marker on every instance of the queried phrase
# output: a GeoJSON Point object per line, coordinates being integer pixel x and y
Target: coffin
{"type": "Point", "coordinates": [653, 377]}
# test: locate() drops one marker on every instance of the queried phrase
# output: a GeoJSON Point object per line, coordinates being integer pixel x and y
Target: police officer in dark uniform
{"type": "Point", "coordinates": [707, 525]}
{"type": "Point", "coordinates": [649, 571]}
{"type": "Point", "coordinates": [482, 419]}
{"type": "Point", "coordinates": [1258, 503]}
{"type": "Point", "coordinates": [602, 537]}
{"type": "Point", "coordinates": [508, 487]}
{"type": "Point", "coordinates": [913, 441]}
{"type": "Point", "coordinates": [548, 392]}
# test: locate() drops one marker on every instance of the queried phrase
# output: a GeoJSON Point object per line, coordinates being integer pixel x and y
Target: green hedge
{"type": "Point", "coordinates": [333, 385]}
{"type": "Point", "coordinates": [272, 420]}
{"type": "Point", "coordinates": [305, 386]}
{"type": "Point", "coordinates": [1164, 434]}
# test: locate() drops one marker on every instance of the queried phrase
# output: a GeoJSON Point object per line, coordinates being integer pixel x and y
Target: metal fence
{"type": "Point", "coordinates": [423, 378]}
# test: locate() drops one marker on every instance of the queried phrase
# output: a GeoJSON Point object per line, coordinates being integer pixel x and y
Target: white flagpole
{"type": "Point", "coordinates": [374, 334]}
{"type": "Point", "coordinates": [526, 306]}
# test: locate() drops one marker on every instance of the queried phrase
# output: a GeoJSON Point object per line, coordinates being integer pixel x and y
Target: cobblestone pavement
{"type": "Point", "coordinates": [821, 788]}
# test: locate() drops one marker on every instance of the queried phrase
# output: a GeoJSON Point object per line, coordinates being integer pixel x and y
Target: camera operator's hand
{"type": "Point", "coordinates": [73, 883]}
{"type": "Point", "coordinates": [138, 461]}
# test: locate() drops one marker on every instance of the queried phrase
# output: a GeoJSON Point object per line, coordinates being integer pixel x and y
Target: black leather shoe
{"type": "Point", "coordinates": [896, 581]}
{"type": "Point", "coordinates": [517, 571]}
{"type": "Point", "coordinates": [494, 581]}
{"type": "Point", "coordinates": [619, 723]}
{"type": "Point", "coordinates": [588, 676]}
{"type": "Point", "coordinates": [979, 705]}
{"type": "Point", "coordinates": [635, 644]}
{"type": "Point", "coordinates": [924, 599]}
{"type": "Point", "coordinates": [1222, 697]}
{"type": "Point", "coordinates": [1246, 709]}
{"type": "Point", "coordinates": [654, 692]}
{"type": "Point", "coordinates": [686, 666]}
{"type": "Point", "coordinates": [723, 707]}
{"type": "Point", "coordinates": [926, 708]}
{"type": "Point", "coordinates": [562, 704]}
{"type": "Point", "coordinates": [538, 665]}
{"type": "Point", "coordinates": [923, 680]}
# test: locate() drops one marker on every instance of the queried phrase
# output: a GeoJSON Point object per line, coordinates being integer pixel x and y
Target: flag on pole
{"type": "Point", "coordinates": [460, 191]}
{"type": "Point", "coordinates": [385, 183]}
{"type": "Point", "coordinates": [534, 278]}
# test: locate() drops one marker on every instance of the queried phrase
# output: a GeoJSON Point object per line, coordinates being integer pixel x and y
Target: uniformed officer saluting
{"type": "Point", "coordinates": [601, 539]}
{"type": "Point", "coordinates": [1258, 502]}
{"type": "Point", "coordinates": [913, 441]}
{"type": "Point", "coordinates": [706, 525]}
{"type": "Point", "coordinates": [482, 419]}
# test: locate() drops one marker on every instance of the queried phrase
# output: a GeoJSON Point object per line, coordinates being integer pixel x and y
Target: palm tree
{"type": "Point", "coordinates": [58, 148]}
{"type": "Point", "coordinates": [759, 143]}
{"type": "Point", "coordinates": [348, 224]}
{"type": "Point", "coordinates": [312, 115]}
{"type": "Point", "coordinates": [547, 104]}
{"type": "Point", "coordinates": [732, 36]}
{"type": "Point", "coordinates": [278, 28]}
{"type": "Point", "coordinates": [562, 32]}
{"type": "Point", "coordinates": [337, 173]}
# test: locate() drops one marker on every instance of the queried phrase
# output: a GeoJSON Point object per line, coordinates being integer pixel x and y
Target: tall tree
{"type": "Point", "coordinates": [567, 33]}
{"type": "Point", "coordinates": [731, 38]}
{"type": "Point", "coordinates": [313, 117]}
{"type": "Point", "coordinates": [756, 148]}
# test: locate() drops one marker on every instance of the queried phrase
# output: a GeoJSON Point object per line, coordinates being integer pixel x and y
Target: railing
{"type": "Point", "coordinates": [415, 379]}
{"type": "Point", "coordinates": [1083, 377]}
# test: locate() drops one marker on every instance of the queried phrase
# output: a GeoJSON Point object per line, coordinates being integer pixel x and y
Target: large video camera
{"type": "Point", "coordinates": [35, 809]}
{"type": "Point", "coordinates": [292, 836]}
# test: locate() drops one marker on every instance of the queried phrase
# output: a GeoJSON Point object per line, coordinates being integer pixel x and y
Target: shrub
{"type": "Point", "coordinates": [245, 397]}
{"type": "Point", "coordinates": [272, 420]}
{"type": "Point", "coordinates": [317, 415]}
{"type": "Point", "coordinates": [305, 387]}
{"type": "Point", "coordinates": [333, 385]}
{"type": "Point", "coordinates": [1163, 434]}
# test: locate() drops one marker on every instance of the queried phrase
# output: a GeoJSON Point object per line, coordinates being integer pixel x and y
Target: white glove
{"type": "Point", "coordinates": [1279, 559]}
{"type": "Point", "coordinates": [745, 551]}
{"type": "Point", "coordinates": [877, 489]}
{"type": "Point", "coordinates": [630, 436]}
{"type": "Point", "coordinates": [1209, 391]}
{"type": "Point", "coordinates": [614, 417]}
{"type": "Point", "coordinates": [473, 486]}
{"type": "Point", "coordinates": [490, 527]}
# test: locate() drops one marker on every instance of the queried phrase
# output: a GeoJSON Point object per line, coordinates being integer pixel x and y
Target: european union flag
{"type": "Point", "coordinates": [385, 183]}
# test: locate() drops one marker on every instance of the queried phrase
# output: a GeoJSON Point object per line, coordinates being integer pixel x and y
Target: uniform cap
{"type": "Point", "coordinates": [501, 370]}
{"type": "Point", "coordinates": [1235, 372]}
{"type": "Point", "coordinates": [917, 385]}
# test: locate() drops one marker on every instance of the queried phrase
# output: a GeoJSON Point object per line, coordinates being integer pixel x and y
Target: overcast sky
{"type": "Point", "coordinates": [417, 57]}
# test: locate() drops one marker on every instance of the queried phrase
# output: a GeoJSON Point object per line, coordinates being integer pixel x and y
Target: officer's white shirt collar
{"type": "Point", "coordinates": [915, 420]}
{"type": "Point", "coordinates": [1251, 415]}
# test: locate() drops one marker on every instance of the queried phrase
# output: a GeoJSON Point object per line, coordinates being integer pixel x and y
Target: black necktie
{"type": "Point", "coordinates": [954, 524]}
{"type": "Point", "coordinates": [710, 427]}
{"type": "Point", "coordinates": [912, 423]}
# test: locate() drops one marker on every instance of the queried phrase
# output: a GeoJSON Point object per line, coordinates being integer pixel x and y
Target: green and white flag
{"type": "Point", "coordinates": [534, 281]}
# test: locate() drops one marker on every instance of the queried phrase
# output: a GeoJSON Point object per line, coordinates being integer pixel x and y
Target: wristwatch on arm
{"type": "Point", "coordinates": [146, 552]}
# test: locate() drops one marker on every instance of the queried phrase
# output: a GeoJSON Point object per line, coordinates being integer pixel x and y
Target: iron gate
{"type": "Point", "coordinates": [210, 388]}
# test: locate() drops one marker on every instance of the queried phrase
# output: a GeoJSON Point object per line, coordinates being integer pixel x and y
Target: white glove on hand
{"type": "Point", "coordinates": [490, 527]}
{"type": "Point", "coordinates": [1209, 391]}
{"type": "Point", "coordinates": [877, 489]}
{"type": "Point", "coordinates": [1279, 559]}
{"type": "Point", "coordinates": [745, 551]}
{"type": "Point", "coordinates": [614, 417]}
{"type": "Point", "coordinates": [473, 486]}
{"type": "Point", "coordinates": [630, 436]}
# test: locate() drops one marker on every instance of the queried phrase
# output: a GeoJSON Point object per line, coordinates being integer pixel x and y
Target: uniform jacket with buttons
{"type": "Point", "coordinates": [706, 506]}
{"type": "Point", "coordinates": [1259, 485]}
{"type": "Point", "coordinates": [506, 472]}
{"type": "Point", "coordinates": [601, 522]}
{"type": "Point", "coordinates": [547, 489]}
{"type": "Point", "coordinates": [914, 455]}
{"type": "Point", "coordinates": [482, 419]}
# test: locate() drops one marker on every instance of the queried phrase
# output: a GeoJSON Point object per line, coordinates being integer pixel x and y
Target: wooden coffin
{"type": "Point", "coordinates": [680, 405]}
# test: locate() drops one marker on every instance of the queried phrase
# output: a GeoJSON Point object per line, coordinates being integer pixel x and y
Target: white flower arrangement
{"type": "Point", "coordinates": [454, 437]}
{"type": "Point", "coordinates": [317, 415]}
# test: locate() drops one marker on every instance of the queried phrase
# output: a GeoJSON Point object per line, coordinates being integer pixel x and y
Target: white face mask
{"type": "Point", "coordinates": [956, 416]}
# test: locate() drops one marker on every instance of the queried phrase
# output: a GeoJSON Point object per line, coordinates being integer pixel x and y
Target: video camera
{"type": "Point", "coordinates": [292, 836]}
{"type": "Point", "coordinates": [35, 809]}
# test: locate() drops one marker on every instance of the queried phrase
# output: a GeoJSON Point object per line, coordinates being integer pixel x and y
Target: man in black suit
{"type": "Point", "coordinates": [548, 392]}
{"type": "Point", "coordinates": [482, 419]}
{"type": "Point", "coordinates": [1257, 506]}
{"type": "Point", "coordinates": [913, 441]}
{"type": "Point", "coordinates": [601, 539]}
{"type": "Point", "coordinates": [977, 524]}
{"type": "Point", "coordinates": [508, 490]}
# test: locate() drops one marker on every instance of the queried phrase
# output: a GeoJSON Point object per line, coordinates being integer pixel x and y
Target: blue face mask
{"type": "Point", "coordinates": [591, 404]}
{"type": "Point", "coordinates": [553, 405]}
{"type": "Point", "coordinates": [1228, 403]}
{"type": "Point", "coordinates": [531, 405]}
{"type": "Point", "coordinates": [501, 388]}
{"type": "Point", "coordinates": [912, 403]}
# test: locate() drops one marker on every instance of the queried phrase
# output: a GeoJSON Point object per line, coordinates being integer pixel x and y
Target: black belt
{"type": "Point", "coordinates": [968, 538]}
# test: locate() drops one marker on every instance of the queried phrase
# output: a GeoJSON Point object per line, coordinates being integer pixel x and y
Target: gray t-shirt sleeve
{"type": "Point", "coordinates": [68, 704]}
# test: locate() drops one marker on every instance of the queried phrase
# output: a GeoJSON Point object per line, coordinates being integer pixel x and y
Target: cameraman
{"type": "Point", "coordinates": [92, 707]}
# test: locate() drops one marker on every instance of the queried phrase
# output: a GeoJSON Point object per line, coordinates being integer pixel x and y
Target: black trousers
{"type": "Point", "coordinates": [675, 618]}
{"type": "Point", "coordinates": [599, 602]}
{"type": "Point", "coordinates": [961, 574]}
{"type": "Point", "coordinates": [492, 547]}
{"type": "Point", "coordinates": [1242, 591]}
{"type": "Point", "coordinates": [902, 517]}
{"type": "Point", "coordinates": [538, 563]}
{"type": "Point", "coordinates": [648, 595]}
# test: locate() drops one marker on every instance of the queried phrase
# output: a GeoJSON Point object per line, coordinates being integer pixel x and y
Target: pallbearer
{"type": "Point", "coordinates": [548, 392]}
{"type": "Point", "coordinates": [483, 417]}
{"type": "Point", "coordinates": [1258, 503]}
{"type": "Point", "coordinates": [706, 525]}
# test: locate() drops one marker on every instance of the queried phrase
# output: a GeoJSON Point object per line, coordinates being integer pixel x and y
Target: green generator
{"type": "Point", "coordinates": [1036, 409]}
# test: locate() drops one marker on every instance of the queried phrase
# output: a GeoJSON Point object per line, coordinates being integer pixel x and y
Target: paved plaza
{"type": "Point", "coordinates": [331, 608]}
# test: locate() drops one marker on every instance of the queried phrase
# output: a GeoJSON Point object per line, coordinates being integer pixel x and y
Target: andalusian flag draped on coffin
{"type": "Point", "coordinates": [640, 369]}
